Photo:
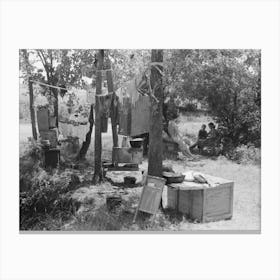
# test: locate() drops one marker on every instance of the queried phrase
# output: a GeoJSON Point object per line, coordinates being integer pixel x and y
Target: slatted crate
{"type": "Point", "coordinates": [50, 135]}
{"type": "Point", "coordinates": [201, 203]}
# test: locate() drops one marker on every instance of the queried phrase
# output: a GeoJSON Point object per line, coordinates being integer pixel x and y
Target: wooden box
{"type": "Point", "coordinates": [121, 155]}
{"type": "Point", "coordinates": [127, 155]}
{"type": "Point", "coordinates": [52, 158]}
{"type": "Point", "coordinates": [200, 202]}
{"type": "Point", "coordinates": [50, 135]}
{"type": "Point", "coordinates": [137, 155]}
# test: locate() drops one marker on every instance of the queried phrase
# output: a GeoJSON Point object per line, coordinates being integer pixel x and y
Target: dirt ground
{"type": "Point", "coordinates": [247, 191]}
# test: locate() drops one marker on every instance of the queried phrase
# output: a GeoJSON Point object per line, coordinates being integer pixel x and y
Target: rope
{"type": "Point", "coordinates": [47, 85]}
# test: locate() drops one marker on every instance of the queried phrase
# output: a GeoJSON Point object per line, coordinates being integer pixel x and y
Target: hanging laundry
{"type": "Point", "coordinates": [134, 107]}
{"type": "Point", "coordinates": [104, 123]}
{"type": "Point", "coordinates": [43, 118]}
{"type": "Point", "coordinates": [76, 126]}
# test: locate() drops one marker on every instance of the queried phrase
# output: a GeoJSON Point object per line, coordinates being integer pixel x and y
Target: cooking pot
{"type": "Point", "coordinates": [136, 143]}
{"type": "Point", "coordinates": [173, 177]}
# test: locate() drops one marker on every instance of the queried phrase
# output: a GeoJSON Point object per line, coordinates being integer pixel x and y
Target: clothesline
{"type": "Point", "coordinates": [44, 84]}
{"type": "Point", "coordinates": [98, 95]}
{"type": "Point", "coordinates": [152, 64]}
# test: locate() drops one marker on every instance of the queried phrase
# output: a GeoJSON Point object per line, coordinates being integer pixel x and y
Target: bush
{"type": "Point", "coordinates": [49, 195]}
{"type": "Point", "coordinates": [29, 165]}
{"type": "Point", "coordinates": [246, 154]}
{"type": "Point", "coordinates": [44, 194]}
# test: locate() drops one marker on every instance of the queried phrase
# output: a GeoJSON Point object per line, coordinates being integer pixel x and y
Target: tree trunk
{"type": "Point", "coordinates": [155, 133]}
{"type": "Point", "coordinates": [113, 109]}
{"type": "Point", "coordinates": [55, 94]}
{"type": "Point", "coordinates": [86, 144]}
{"type": "Point", "coordinates": [32, 112]}
{"type": "Point", "coordinates": [31, 95]}
{"type": "Point", "coordinates": [97, 139]}
{"type": "Point", "coordinates": [54, 82]}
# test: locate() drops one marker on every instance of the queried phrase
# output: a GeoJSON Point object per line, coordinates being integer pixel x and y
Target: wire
{"type": "Point", "coordinates": [47, 85]}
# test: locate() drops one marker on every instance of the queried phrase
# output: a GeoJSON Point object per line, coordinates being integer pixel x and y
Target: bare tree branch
{"type": "Point", "coordinates": [44, 62]}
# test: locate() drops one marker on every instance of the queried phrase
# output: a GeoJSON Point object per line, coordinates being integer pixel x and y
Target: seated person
{"type": "Point", "coordinates": [172, 132]}
{"type": "Point", "coordinates": [202, 135]}
{"type": "Point", "coordinates": [213, 133]}
{"type": "Point", "coordinates": [211, 145]}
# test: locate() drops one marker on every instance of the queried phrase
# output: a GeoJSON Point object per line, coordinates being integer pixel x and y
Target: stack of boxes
{"type": "Point", "coordinates": [48, 134]}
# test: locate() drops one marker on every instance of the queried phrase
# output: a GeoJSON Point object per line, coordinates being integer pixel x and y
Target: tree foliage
{"type": "Point", "coordinates": [228, 81]}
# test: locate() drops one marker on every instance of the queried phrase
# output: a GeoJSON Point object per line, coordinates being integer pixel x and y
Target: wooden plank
{"type": "Point", "coordinates": [231, 196]}
{"type": "Point", "coordinates": [123, 168]}
{"type": "Point", "coordinates": [169, 197]}
{"type": "Point", "coordinates": [196, 212]}
{"type": "Point", "coordinates": [216, 218]}
{"type": "Point", "coordinates": [150, 200]}
{"type": "Point", "coordinates": [151, 196]}
{"type": "Point", "coordinates": [203, 212]}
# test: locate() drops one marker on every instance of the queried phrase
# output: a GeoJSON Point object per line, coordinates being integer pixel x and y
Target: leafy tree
{"type": "Point", "coordinates": [58, 68]}
{"type": "Point", "coordinates": [229, 81]}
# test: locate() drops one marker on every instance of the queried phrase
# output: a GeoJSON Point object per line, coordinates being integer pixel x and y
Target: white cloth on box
{"type": "Point", "coordinates": [189, 176]}
{"type": "Point", "coordinates": [198, 177]}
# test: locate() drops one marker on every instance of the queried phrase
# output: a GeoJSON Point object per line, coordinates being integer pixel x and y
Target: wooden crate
{"type": "Point", "coordinates": [52, 158]}
{"type": "Point", "coordinates": [137, 155]}
{"type": "Point", "coordinates": [201, 203]}
{"type": "Point", "coordinates": [127, 155]}
{"type": "Point", "coordinates": [50, 135]}
{"type": "Point", "coordinates": [121, 155]}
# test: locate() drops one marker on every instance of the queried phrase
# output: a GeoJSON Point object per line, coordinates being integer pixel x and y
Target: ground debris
{"type": "Point", "coordinates": [118, 177]}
